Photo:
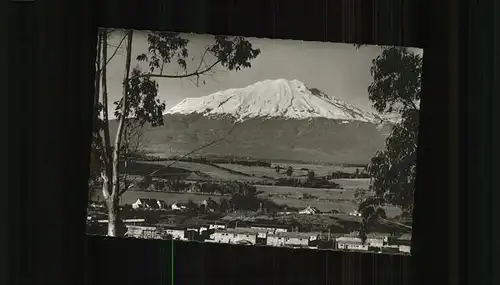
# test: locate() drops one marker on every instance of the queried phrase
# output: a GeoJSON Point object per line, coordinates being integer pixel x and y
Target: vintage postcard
{"type": "Point", "coordinates": [259, 142]}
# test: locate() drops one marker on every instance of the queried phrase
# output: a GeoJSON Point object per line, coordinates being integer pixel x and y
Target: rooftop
{"type": "Point", "coordinates": [241, 231]}
{"type": "Point", "coordinates": [141, 227]}
{"type": "Point", "coordinates": [294, 235]}
{"type": "Point", "coordinates": [369, 235]}
{"type": "Point", "coordinates": [270, 226]}
{"type": "Point", "coordinates": [350, 241]}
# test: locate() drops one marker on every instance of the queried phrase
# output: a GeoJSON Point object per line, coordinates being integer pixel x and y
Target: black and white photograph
{"type": "Point", "coordinates": [254, 141]}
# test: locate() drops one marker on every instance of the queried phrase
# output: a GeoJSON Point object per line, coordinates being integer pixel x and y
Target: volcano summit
{"type": "Point", "coordinates": [280, 98]}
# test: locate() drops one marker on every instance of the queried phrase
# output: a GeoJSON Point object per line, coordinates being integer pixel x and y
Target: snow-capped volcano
{"type": "Point", "coordinates": [280, 98]}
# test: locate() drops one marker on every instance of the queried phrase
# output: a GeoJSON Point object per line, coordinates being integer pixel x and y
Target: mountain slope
{"type": "Point", "coordinates": [271, 119]}
{"type": "Point", "coordinates": [280, 98]}
{"type": "Point", "coordinates": [316, 139]}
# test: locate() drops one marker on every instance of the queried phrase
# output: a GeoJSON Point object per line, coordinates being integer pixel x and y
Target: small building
{"type": "Point", "coordinates": [155, 232]}
{"type": "Point", "coordinates": [147, 232]}
{"type": "Point", "coordinates": [309, 211]}
{"type": "Point", "coordinates": [235, 236]}
{"type": "Point", "coordinates": [377, 239]}
{"type": "Point", "coordinates": [291, 239]}
{"type": "Point", "coordinates": [351, 242]}
{"type": "Point", "coordinates": [178, 233]}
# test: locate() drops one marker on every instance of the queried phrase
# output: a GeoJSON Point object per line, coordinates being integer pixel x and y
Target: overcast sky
{"type": "Point", "coordinates": [339, 70]}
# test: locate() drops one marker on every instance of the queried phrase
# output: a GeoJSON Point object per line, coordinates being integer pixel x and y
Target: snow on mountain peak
{"type": "Point", "coordinates": [279, 98]}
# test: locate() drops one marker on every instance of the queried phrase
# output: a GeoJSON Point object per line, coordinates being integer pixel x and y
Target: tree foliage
{"type": "Point", "coordinates": [395, 88]}
{"type": "Point", "coordinates": [143, 105]}
{"type": "Point", "coordinates": [396, 80]}
{"type": "Point", "coordinates": [139, 103]}
{"type": "Point", "coordinates": [310, 176]}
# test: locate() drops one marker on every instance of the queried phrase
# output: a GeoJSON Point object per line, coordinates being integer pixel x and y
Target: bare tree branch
{"type": "Point", "coordinates": [202, 60]}
{"type": "Point", "coordinates": [130, 184]}
{"type": "Point", "coordinates": [97, 92]}
{"type": "Point", "coordinates": [189, 153]}
{"type": "Point", "coordinates": [200, 148]}
{"type": "Point", "coordinates": [194, 73]}
{"type": "Point", "coordinates": [132, 139]}
{"type": "Point", "coordinates": [115, 51]}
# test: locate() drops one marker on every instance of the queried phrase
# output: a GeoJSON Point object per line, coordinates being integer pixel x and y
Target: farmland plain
{"type": "Point", "coordinates": [341, 199]}
{"type": "Point", "coordinates": [299, 170]}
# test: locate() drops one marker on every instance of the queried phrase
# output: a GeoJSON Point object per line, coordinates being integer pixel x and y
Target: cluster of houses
{"type": "Point", "coordinates": [155, 204]}
{"type": "Point", "coordinates": [254, 234]}
{"type": "Point", "coordinates": [209, 204]}
{"type": "Point", "coordinates": [279, 236]}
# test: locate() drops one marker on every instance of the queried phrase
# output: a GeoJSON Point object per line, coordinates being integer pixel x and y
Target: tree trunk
{"type": "Point", "coordinates": [98, 72]}
{"type": "Point", "coordinates": [104, 72]}
{"type": "Point", "coordinates": [122, 118]}
{"type": "Point", "coordinates": [112, 205]}
{"type": "Point", "coordinates": [115, 171]}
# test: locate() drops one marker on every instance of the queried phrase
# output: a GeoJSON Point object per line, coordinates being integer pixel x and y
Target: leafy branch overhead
{"type": "Point", "coordinates": [233, 53]}
{"type": "Point", "coordinates": [142, 101]}
{"type": "Point", "coordinates": [139, 103]}
{"type": "Point", "coordinates": [396, 80]}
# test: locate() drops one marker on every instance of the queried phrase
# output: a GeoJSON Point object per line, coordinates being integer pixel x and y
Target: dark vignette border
{"type": "Point", "coordinates": [50, 157]}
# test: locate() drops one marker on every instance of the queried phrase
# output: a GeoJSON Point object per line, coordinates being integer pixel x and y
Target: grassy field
{"type": "Point", "coordinates": [209, 172]}
{"type": "Point", "coordinates": [355, 183]}
{"type": "Point", "coordinates": [255, 170]}
{"type": "Point", "coordinates": [325, 200]}
{"type": "Point", "coordinates": [299, 170]}
{"type": "Point", "coordinates": [319, 169]}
